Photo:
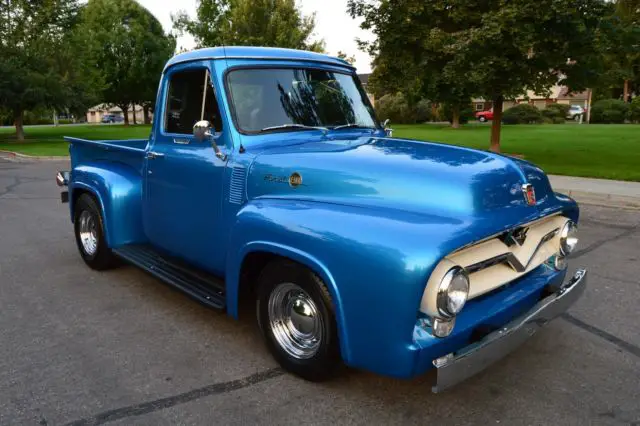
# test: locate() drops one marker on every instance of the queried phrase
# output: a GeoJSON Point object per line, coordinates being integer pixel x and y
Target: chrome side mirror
{"type": "Point", "coordinates": [388, 131]}
{"type": "Point", "coordinates": [202, 130]}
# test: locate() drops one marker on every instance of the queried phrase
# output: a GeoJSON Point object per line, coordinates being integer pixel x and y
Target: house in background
{"type": "Point", "coordinates": [558, 94]}
{"type": "Point", "coordinates": [95, 114]}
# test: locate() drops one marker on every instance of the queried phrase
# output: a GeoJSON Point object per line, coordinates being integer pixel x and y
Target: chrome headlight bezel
{"type": "Point", "coordinates": [568, 238]}
{"type": "Point", "coordinates": [455, 280]}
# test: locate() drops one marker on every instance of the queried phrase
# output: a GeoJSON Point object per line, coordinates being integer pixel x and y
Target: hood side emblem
{"type": "Point", "coordinates": [295, 180]}
{"type": "Point", "coordinates": [529, 194]}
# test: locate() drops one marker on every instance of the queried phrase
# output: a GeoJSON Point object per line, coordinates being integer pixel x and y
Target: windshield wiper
{"type": "Point", "coordinates": [295, 126]}
{"type": "Point", "coordinates": [352, 126]}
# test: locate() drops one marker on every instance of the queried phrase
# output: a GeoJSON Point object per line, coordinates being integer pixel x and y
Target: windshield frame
{"type": "Point", "coordinates": [232, 106]}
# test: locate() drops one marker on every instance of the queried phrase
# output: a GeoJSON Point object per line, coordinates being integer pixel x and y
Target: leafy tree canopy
{"type": "Point", "coordinates": [620, 47]}
{"type": "Point", "coordinates": [274, 23]}
{"type": "Point", "coordinates": [43, 59]}
{"type": "Point", "coordinates": [492, 48]}
{"type": "Point", "coordinates": [129, 47]}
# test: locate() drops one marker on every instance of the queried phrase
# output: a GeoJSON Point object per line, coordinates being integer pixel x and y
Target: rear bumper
{"type": "Point", "coordinates": [470, 360]}
{"type": "Point", "coordinates": [62, 180]}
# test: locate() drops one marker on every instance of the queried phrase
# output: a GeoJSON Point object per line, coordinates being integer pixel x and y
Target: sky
{"type": "Point", "coordinates": [333, 24]}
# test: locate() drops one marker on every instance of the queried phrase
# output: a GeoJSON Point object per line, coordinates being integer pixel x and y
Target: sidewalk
{"type": "Point", "coordinates": [603, 192]}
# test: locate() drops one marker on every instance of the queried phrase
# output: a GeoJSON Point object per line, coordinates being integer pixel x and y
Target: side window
{"type": "Point", "coordinates": [190, 100]}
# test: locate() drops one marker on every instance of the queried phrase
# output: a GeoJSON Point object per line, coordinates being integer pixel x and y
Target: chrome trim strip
{"type": "Point", "coordinates": [528, 224]}
{"type": "Point", "coordinates": [510, 258]}
{"type": "Point", "coordinates": [470, 360]}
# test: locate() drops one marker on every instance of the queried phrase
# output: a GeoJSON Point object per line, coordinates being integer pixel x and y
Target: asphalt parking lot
{"type": "Point", "coordinates": [81, 347]}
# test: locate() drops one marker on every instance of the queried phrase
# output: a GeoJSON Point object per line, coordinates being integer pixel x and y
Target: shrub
{"type": "Point", "coordinates": [522, 114]}
{"type": "Point", "coordinates": [396, 108]}
{"type": "Point", "coordinates": [393, 107]}
{"type": "Point", "coordinates": [422, 111]}
{"type": "Point", "coordinates": [634, 110]}
{"type": "Point", "coordinates": [556, 112]}
{"type": "Point", "coordinates": [6, 117]}
{"type": "Point", "coordinates": [609, 111]}
{"type": "Point", "coordinates": [466, 113]}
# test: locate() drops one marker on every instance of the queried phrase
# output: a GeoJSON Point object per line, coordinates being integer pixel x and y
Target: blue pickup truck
{"type": "Point", "coordinates": [267, 179]}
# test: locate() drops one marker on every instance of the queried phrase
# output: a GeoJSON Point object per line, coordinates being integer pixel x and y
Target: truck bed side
{"type": "Point", "coordinates": [111, 171]}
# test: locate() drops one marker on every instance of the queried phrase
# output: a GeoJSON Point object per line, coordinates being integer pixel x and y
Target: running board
{"type": "Point", "coordinates": [201, 286]}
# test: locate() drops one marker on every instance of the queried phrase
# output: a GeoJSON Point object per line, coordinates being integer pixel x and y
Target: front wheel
{"type": "Point", "coordinates": [89, 230]}
{"type": "Point", "coordinates": [482, 119]}
{"type": "Point", "coordinates": [295, 314]}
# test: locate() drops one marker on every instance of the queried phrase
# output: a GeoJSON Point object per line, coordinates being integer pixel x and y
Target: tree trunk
{"type": "Point", "coordinates": [455, 117]}
{"type": "Point", "coordinates": [125, 111]}
{"type": "Point", "coordinates": [625, 92]}
{"type": "Point", "coordinates": [18, 120]}
{"type": "Point", "coordinates": [496, 123]}
{"type": "Point", "coordinates": [145, 112]}
{"type": "Point", "coordinates": [133, 108]}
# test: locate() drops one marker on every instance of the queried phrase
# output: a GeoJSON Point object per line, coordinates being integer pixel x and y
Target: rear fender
{"type": "Point", "coordinates": [118, 190]}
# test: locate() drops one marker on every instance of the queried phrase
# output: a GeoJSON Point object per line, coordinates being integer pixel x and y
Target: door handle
{"type": "Point", "coordinates": [151, 155]}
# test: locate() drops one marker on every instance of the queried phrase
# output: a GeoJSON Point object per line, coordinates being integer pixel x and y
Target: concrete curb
{"type": "Point", "coordinates": [604, 200]}
{"type": "Point", "coordinates": [17, 157]}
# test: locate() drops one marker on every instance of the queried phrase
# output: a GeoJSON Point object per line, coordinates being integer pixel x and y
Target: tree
{"type": "Point", "coordinates": [492, 48]}
{"type": "Point", "coordinates": [42, 59]}
{"type": "Point", "coordinates": [342, 55]}
{"type": "Point", "coordinates": [274, 23]}
{"type": "Point", "coordinates": [130, 49]}
{"type": "Point", "coordinates": [620, 46]}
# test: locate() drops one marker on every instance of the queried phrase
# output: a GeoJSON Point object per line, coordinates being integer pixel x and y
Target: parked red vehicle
{"type": "Point", "coordinates": [484, 116]}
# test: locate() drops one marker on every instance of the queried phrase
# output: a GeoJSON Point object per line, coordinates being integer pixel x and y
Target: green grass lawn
{"type": "Point", "coordinates": [602, 151]}
{"type": "Point", "coordinates": [48, 141]}
{"type": "Point", "coordinates": [606, 151]}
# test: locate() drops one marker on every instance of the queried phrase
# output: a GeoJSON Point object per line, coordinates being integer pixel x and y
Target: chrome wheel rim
{"type": "Point", "coordinates": [88, 233]}
{"type": "Point", "coordinates": [295, 321]}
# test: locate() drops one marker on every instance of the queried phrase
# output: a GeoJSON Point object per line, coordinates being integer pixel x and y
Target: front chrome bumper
{"type": "Point", "coordinates": [470, 360]}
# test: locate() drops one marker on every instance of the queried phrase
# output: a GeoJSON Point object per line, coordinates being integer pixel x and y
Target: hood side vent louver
{"type": "Point", "coordinates": [237, 186]}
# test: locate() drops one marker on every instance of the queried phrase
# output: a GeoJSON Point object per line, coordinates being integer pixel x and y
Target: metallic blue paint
{"type": "Point", "coordinates": [372, 217]}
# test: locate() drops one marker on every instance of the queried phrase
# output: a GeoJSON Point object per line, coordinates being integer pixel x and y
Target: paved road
{"type": "Point", "coordinates": [81, 347]}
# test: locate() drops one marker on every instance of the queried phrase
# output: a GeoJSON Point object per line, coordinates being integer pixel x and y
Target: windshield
{"type": "Point", "coordinates": [271, 99]}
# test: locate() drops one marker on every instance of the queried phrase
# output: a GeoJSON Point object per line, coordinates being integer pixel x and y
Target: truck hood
{"type": "Point", "coordinates": [397, 174]}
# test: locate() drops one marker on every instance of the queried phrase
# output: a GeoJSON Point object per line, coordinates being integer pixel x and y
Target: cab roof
{"type": "Point", "coordinates": [247, 52]}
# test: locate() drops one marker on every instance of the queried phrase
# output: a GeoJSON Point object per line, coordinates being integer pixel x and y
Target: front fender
{"type": "Point", "coordinates": [374, 263]}
{"type": "Point", "coordinates": [118, 189]}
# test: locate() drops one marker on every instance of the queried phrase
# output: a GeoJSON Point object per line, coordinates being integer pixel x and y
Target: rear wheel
{"type": "Point", "coordinates": [482, 119]}
{"type": "Point", "coordinates": [89, 230]}
{"type": "Point", "coordinates": [295, 314]}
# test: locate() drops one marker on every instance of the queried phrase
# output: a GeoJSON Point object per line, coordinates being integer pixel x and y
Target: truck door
{"type": "Point", "coordinates": [184, 178]}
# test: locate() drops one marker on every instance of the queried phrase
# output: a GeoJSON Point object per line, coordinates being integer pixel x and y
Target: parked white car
{"type": "Point", "coordinates": [575, 112]}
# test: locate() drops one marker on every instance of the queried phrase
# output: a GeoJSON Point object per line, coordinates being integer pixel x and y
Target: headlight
{"type": "Point", "coordinates": [568, 238]}
{"type": "Point", "coordinates": [453, 292]}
